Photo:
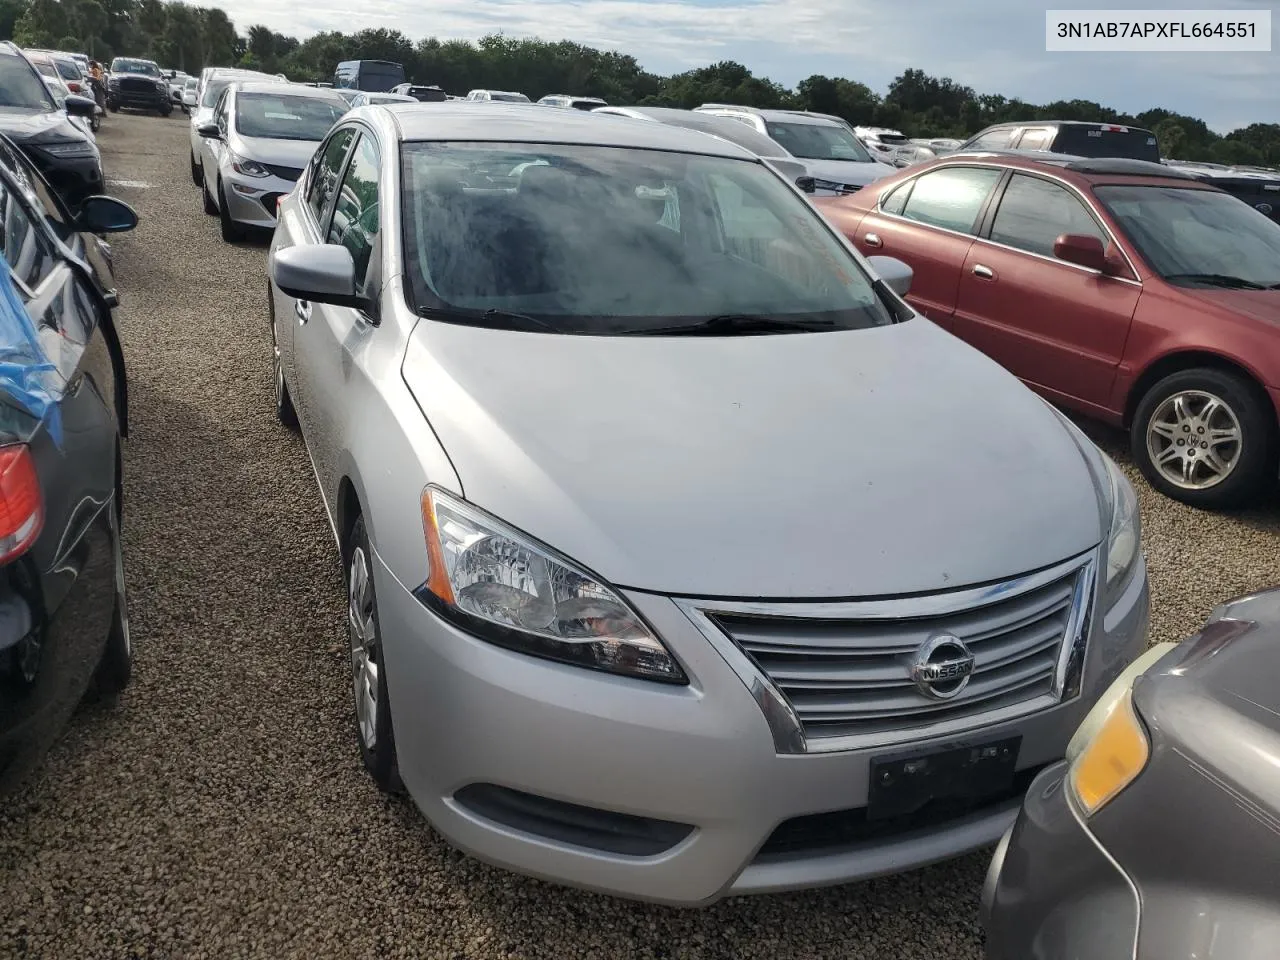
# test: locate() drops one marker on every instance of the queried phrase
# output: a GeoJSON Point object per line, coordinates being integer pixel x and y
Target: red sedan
{"type": "Point", "coordinates": [1117, 288]}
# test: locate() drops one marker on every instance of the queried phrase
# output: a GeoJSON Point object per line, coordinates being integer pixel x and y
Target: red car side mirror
{"type": "Point", "coordinates": [1082, 250]}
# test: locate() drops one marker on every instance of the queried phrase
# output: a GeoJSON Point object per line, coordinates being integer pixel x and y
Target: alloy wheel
{"type": "Point", "coordinates": [1194, 439]}
{"type": "Point", "coordinates": [277, 368]}
{"type": "Point", "coordinates": [363, 634]}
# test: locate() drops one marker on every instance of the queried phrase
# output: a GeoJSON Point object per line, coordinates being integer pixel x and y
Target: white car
{"type": "Point", "coordinates": [255, 147]}
{"type": "Point", "coordinates": [567, 102]}
{"type": "Point", "coordinates": [499, 96]}
{"type": "Point", "coordinates": [835, 159]}
{"type": "Point", "coordinates": [213, 82]}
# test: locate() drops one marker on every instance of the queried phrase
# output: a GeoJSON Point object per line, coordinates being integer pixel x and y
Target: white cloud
{"type": "Point", "coordinates": [995, 46]}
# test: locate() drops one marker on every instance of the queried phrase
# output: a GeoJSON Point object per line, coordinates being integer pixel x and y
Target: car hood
{"type": "Point", "coordinates": [283, 153]}
{"type": "Point", "coordinates": [1258, 304]}
{"type": "Point", "coordinates": [848, 171]}
{"type": "Point", "coordinates": [38, 125]}
{"type": "Point", "coordinates": [858, 463]}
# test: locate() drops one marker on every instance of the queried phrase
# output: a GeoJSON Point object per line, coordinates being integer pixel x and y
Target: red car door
{"type": "Point", "coordinates": [1060, 327]}
{"type": "Point", "coordinates": [928, 223]}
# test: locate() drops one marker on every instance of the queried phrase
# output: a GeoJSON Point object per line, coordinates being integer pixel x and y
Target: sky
{"type": "Point", "coordinates": [993, 46]}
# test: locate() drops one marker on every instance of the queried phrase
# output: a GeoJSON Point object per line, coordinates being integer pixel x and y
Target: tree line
{"type": "Point", "coordinates": [181, 36]}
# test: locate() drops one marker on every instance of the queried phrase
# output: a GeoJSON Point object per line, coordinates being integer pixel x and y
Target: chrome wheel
{"type": "Point", "coordinates": [1194, 440]}
{"type": "Point", "coordinates": [364, 646]}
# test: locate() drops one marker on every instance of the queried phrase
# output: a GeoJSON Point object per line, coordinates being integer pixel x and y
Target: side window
{"type": "Point", "coordinates": [220, 111]}
{"type": "Point", "coordinates": [25, 250]}
{"type": "Point", "coordinates": [897, 199]}
{"type": "Point", "coordinates": [1037, 138]}
{"type": "Point", "coordinates": [1033, 213]}
{"type": "Point", "coordinates": [355, 215]}
{"type": "Point", "coordinates": [66, 325]}
{"type": "Point", "coordinates": [995, 140]}
{"type": "Point", "coordinates": [324, 175]}
{"type": "Point", "coordinates": [951, 197]}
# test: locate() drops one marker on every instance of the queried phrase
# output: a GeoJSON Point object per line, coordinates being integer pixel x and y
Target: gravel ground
{"type": "Point", "coordinates": [221, 809]}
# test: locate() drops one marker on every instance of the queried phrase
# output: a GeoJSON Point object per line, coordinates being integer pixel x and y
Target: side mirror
{"type": "Point", "coordinates": [188, 99]}
{"type": "Point", "coordinates": [209, 130]}
{"type": "Point", "coordinates": [1083, 250]}
{"type": "Point", "coordinates": [896, 275]}
{"type": "Point", "coordinates": [100, 214]}
{"type": "Point", "coordinates": [807, 184]}
{"type": "Point", "coordinates": [321, 273]}
{"type": "Point", "coordinates": [78, 106]}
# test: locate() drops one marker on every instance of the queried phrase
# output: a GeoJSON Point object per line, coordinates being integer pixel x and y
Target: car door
{"type": "Point", "coordinates": [1058, 326]}
{"type": "Point", "coordinates": [211, 149]}
{"type": "Point", "coordinates": [331, 339]}
{"type": "Point", "coordinates": [929, 222]}
{"type": "Point", "coordinates": [307, 225]}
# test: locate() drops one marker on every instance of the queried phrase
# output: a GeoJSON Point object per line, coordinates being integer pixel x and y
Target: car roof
{"type": "Point", "coordinates": [733, 130]}
{"type": "Point", "coordinates": [524, 123]}
{"type": "Point", "coordinates": [1091, 170]}
{"type": "Point", "coordinates": [294, 89]}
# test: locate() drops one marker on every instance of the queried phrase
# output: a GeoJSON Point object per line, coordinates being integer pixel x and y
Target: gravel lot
{"type": "Point", "coordinates": [221, 809]}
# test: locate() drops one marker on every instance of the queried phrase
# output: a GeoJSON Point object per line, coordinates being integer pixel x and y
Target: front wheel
{"type": "Point", "coordinates": [1205, 437]}
{"type": "Point", "coordinates": [285, 411]}
{"type": "Point", "coordinates": [197, 176]}
{"type": "Point", "coordinates": [95, 123]}
{"type": "Point", "coordinates": [113, 106]}
{"type": "Point", "coordinates": [231, 231]}
{"type": "Point", "coordinates": [368, 665]}
{"type": "Point", "coordinates": [166, 109]}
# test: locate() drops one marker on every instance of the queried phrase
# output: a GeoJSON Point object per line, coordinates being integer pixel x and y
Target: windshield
{"type": "Point", "coordinates": [604, 240]}
{"type": "Point", "coordinates": [212, 91]}
{"type": "Point", "coordinates": [509, 97]}
{"type": "Point", "coordinates": [818, 141]}
{"type": "Point", "coordinates": [20, 86]}
{"type": "Point", "coordinates": [286, 117]}
{"type": "Point", "coordinates": [1088, 140]}
{"type": "Point", "coordinates": [67, 69]}
{"type": "Point", "coordinates": [123, 65]}
{"type": "Point", "coordinates": [1187, 234]}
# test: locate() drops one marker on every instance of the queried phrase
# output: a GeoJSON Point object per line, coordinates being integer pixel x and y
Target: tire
{"type": "Point", "coordinates": [113, 106]}
{"type": "Point", "coordinates": [95, 123]}
{"type": "Point", "coordinates": [374, 733]}
{"type": "Point", "coordinates": [197, 175]}
{"type": "Point", "coordinates": [115, 669]}
{"type": "Point", "coordinates": [210, 207]}
{"type": "Point", "coordinates": [231, 231]}
{"type": "Point", "coordinates": [1187, 421]}
{"type": "Point", "coordinates": [285, 411]}
{"type": "Point", "coordinates": [166, 109]}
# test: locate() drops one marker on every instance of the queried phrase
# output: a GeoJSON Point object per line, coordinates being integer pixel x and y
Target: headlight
{"type": "Point", "coordinates": [1110, 748]}
{"type": "Point", "coordinates": [250, 168]}
{"type": "Point", "coordinates": [69, 149]}
{"type": "Point", "coordinates": [504, 587]}
{"type": "Point", "coordinates": [161, 85]}
{"type": "Point", "coordinates": [1124, 539]}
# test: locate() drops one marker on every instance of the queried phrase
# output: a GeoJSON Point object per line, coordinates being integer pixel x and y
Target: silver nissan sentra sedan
{"type": "Point", "coordinates": [683, 559]}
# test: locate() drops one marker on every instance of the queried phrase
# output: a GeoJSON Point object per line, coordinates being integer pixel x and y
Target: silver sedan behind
{"type": "Point", "coordinates": [672, 569]}
{"type": "Point", "coordinates": [254, 149]}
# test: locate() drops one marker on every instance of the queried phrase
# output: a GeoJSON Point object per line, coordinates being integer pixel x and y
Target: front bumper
{"type": "Point", "coordinates": [139, 99]}
{"type": "Point", "coordinates": [700, 757]}
{"type": "Point", "coordinates": [252, 200]}
{"type": "Point", "coordinates": [1051, 890]}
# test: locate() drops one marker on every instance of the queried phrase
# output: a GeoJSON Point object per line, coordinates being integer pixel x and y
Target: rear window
{"type": "Point", "coordinates": [1107, 140]}
{"type": "Point", "coordinates": [509, 97]}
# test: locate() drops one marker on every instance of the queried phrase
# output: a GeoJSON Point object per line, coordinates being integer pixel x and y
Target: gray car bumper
{"type": "Point", "coordinates": [500, 751]}
{"type": "Point", "coordinates": [1052, 893]}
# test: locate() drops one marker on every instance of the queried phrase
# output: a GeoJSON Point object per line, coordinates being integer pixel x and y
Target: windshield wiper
{"type": "Point", "coordinates": [731, 324]}
{"type": "Point", "coordinates": [1219, 280]}
{"type": "Point", "coordinates": [492, 318]}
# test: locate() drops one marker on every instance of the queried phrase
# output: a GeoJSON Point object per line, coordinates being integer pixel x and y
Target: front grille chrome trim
{"type": "Point", "coordinates": [785, 724]}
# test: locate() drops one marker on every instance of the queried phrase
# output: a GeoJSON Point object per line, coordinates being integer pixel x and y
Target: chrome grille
{"type": "Point", "coordinates": [846, 673]}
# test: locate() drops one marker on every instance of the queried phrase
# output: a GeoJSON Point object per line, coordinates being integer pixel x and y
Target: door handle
{"type": "Point", "coordinates": [986, 273]}
{"type": "Point", "coordinates": [303, 310]}
{"type": "Point", "coordinates": [873, 240]}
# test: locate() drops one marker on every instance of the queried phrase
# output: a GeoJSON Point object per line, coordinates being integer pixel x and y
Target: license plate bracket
{"type": "Point", "coordinates": [964, 773]}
